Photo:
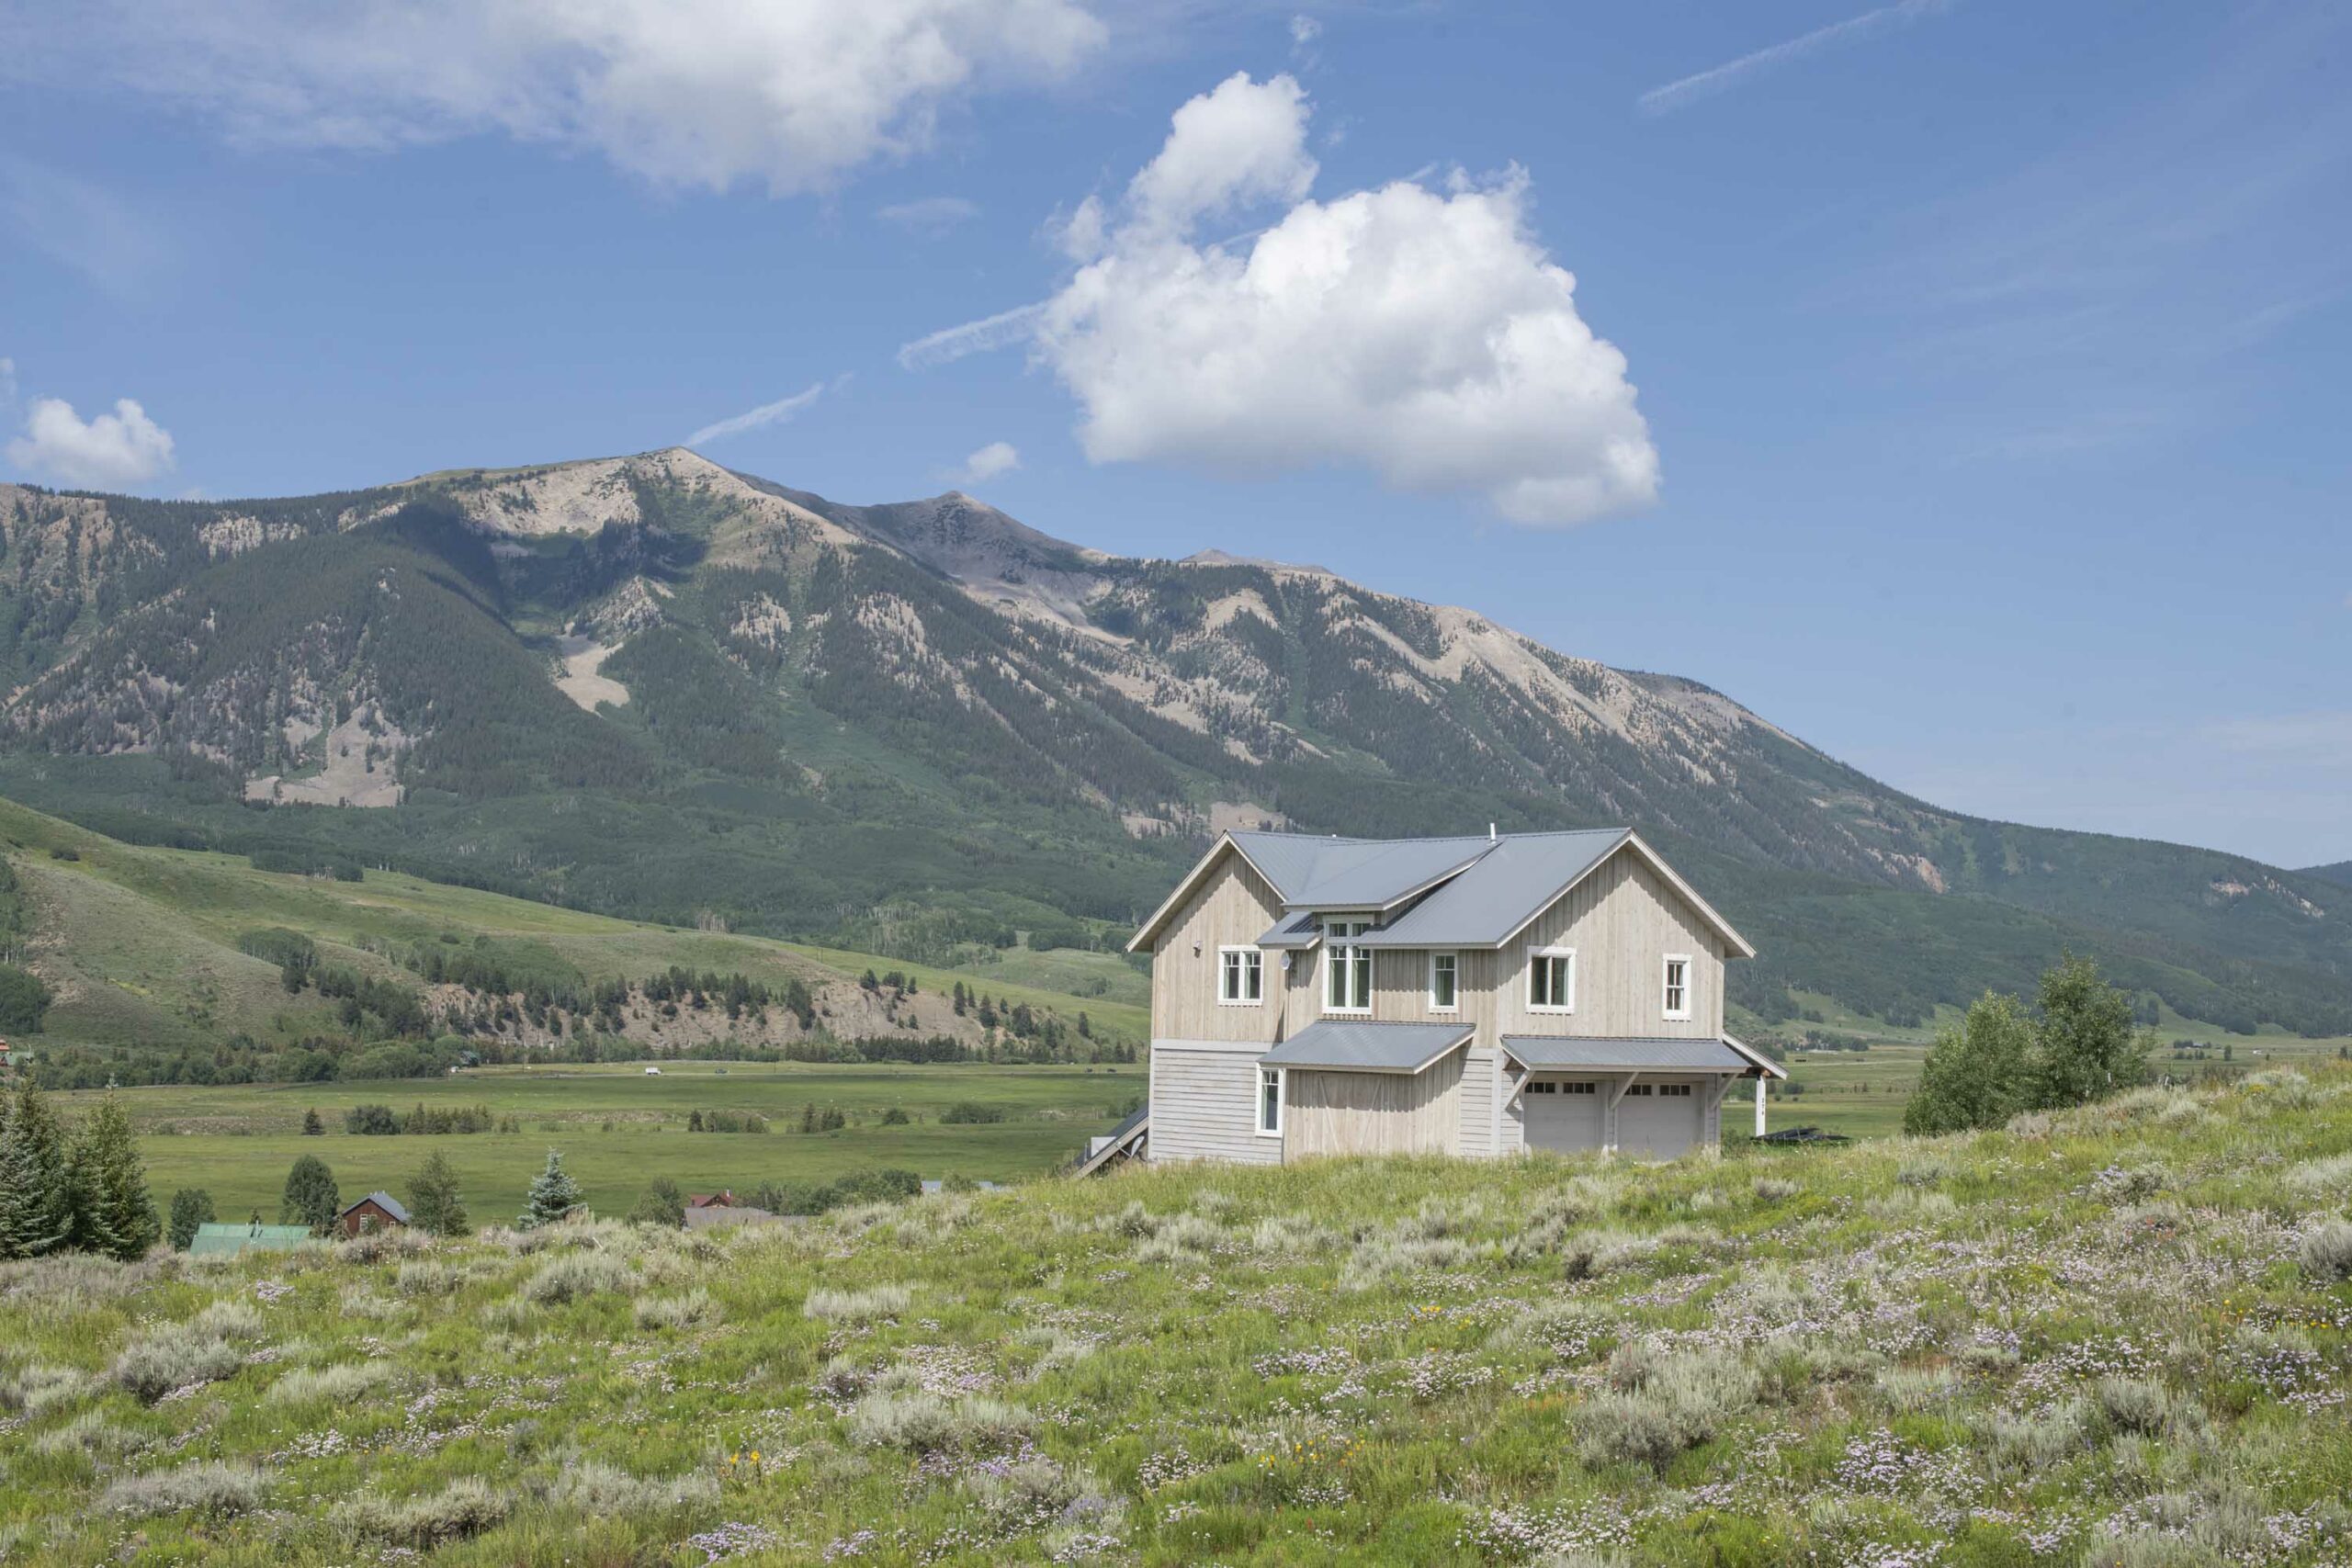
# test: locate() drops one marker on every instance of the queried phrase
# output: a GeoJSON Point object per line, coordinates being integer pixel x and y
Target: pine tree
{"type": "Point", "coordinates": [191, 1208]}
{"type": "Point", "coordinates": [312, 1126]}
{"type": "Point", "coordinates": [36, 1203]}
{"type": "Point", "coordinates": [114, 1214]}
{"type": "Point", "coordinates": [433, 1200]}
{"type": "Point", "coordinates": [553, 1196]}
{"type": "Point", "coordinates": [311, 1197]}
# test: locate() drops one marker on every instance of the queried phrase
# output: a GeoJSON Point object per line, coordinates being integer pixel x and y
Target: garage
{"type": "Point", "coordinates": [1659, 1118]}
{"type": "Point", "coordinates": [1561, 1115]}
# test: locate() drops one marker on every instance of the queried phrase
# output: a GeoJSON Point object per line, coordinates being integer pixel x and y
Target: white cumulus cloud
{"type": "Point", "coordinates": [111, 451]}
{"type": "Point", "coordinates": [794, 94]}
{"type": "Point", "coordinates": [1420, 331]}
{"type": "Point", "coordinates": [995, 458]}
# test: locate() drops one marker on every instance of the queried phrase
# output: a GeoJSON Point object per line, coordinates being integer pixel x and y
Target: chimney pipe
{"type": "Point", "coordinates": [1490, 832]}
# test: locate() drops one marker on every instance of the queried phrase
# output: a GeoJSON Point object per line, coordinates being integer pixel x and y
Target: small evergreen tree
{"type": "Point", "coordinates": [115, 1215]}
{"type": "Point", "coordinates": [191, 1207]}
{"type": "Point", "coordinates": [661, 1204]}
{"type": "Point", "coordinates": [36, 1196]}
{"type": "Point", "coordinates": [434, 1203]}
{"type": "Point", "coordinates": [312, 1126]}
{"type": "Point", "coordinates": [311, 1197]}
{"type": "Point", "coordinates": [553, 1196]}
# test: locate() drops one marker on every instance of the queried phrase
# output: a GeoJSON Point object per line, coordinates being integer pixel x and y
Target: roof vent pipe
{"type": "Point", "coordinates": [1490, 832]}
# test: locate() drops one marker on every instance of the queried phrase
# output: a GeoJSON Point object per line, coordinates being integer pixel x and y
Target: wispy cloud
{"type": "Point", "coordinates": [776, 412]}
{"type": "Point", "coordinates": [82, 226]}
{"type": "Point", "coordinates": [7, 383]}
{"type": "Point", "coordinates": [949, 344]}
{"type": "Point", "coordinates": [1732, 72]}
{"type": "Point", "coordinates": [932, 215]}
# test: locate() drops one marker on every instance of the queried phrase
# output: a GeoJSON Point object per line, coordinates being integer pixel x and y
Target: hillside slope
{"type": "Point", "coordinates": [655, 688]}
{"type": "Point", "coordinates": [170, 956]}
{"type": "Point", "coordinates": [2117, 1336]}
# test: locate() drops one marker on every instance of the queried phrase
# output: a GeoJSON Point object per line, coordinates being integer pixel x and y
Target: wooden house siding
{"type": "Point", "coordinates": [1373, 1113]}
{"type": "Point", "coordinates": [1622, 920]}
{"type": "Point", "coordinates": [1233, 906]}
{"type": "Point", "coordinates": [1480, 1084]}
{"type": "Point", "coordinates": [1205, 1103]}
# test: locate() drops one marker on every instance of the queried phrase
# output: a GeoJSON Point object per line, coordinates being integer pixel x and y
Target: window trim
{"type": "Point", "coordinates": [1666, 987]}
{"type": "Point", "coordinates": [1340, 950]}
{"type": "Point", "coordinates": [1282, 1094]}
{"type": "Point", "coordinates": [1259, 968]}
{"type": "Point", "coordinates": [1431, 996]}
{"type": "Point", "coordinates": [1527, 990]}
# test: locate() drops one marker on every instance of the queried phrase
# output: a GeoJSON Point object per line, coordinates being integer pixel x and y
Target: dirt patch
{"type": "Point", "coordinates": [583, 657]}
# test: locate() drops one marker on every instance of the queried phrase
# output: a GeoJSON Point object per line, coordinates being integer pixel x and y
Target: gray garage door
{"type": "Point", "coordinates": [1658, 1119]}
{"type": "Point", "coordinates": [1563, 1114]}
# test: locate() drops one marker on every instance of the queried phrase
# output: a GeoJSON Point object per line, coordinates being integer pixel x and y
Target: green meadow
{"type": "Point", "coordinates": [618, 1128]}
{"type": "Point", "coordinates": [2118, 1336]}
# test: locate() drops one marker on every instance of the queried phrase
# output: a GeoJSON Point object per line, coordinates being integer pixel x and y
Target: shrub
{"type": "Point", "coordinates": [343, 1384]}
{"type": "Point", "coordinates": [574, 1275]}
{"type": "Point", "coordinates": [602, 1491]}
{"type": "Point", "coordinates": [858, 1307]}
{"type": "Point", "coordinates": [1677, 1403]}
{"type": "Point", "coordinates": [965, 1113]}
{"type": "Point", "coordinates": [1776, 1190]}
{"type": "Point", "coordinates": [924, 1423]}
{"type": "Point", "coordinates": [427, 1279]}
{"type": "Point", "coordinates": [173, 1356]}
{"type": "Point", "coordinates": [662, 1205]}
{"type": "Point", "coordinates": [465, 1507]}
{"type": "Point", "coordinates": [677, 1312]}
{"type": "Point", "coordinates": [206, 1487]}
{"type": "Point", "coordinates": [1180, 1238]}
{"type": "Point", "coordinates": [2325, 1256]}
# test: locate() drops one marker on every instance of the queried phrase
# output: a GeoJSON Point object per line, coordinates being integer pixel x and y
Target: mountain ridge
{"type": "Point", "coordinates": [655, 685]}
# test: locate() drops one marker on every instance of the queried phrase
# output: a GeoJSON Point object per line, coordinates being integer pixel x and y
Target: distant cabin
{"type": "Point", "coordinates": [376, 1211]}
{"type": "Point", "coordinates": [229, 1239]}
{"type": "Point", "coordinates": [1472, 996]}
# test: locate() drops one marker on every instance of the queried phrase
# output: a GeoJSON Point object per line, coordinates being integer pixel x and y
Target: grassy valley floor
{"type": "Point", "coordinates": [2117, 1336]}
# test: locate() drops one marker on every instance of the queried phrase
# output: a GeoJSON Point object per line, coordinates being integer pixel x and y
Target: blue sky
{"type": "Point", "coordinates": [1960, 385]}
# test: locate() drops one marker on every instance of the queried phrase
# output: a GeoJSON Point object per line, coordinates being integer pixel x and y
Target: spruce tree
{"type": "Point", "coordinates": [191, 1208]}
{"type": "Point", "coordinates": [553, 1195]}
{"type": "Point", "coordinates": [116, 1215]}
{"type": "Point", "coordinates": [36, 1202]}
{"type": "Point", "coordinates": [311, 1197]}
{"type": "Point", "coordinates": [433, 1200]}
{"type": "Point", "coordinates": [312, 1126]}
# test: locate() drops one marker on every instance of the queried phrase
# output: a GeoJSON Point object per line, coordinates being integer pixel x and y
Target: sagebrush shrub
{"type": "Point", "coordinates": [466, 1506]}
{"type": "Point", "coordinates": [603, 1491]}
{"type": "Point", "coordinates": [343, 1384]}
{"type": "Point", "coordinates": [207, 1487]}
{"type": "Point", "coordinates": [677, 1312]}
{"type": "Point", "coordinates": [173, 1356]}
{"type": "Point", "coordinates": [858, 1307]}
{"type": "Point", "coordinates": [573, 1275]}
{"type": "Point", "coordinates": [2325, 1254]}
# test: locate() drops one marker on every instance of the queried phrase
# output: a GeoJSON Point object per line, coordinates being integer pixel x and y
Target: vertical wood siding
{"type": "Point", "coordinates": [1372, 1113]}
{"type": "Point", "coordinates": [1234, 906]}
{"type": "Point", "coordinates": [1622, 920]}
{"type": "Point", "coordinates": [1204, 1104]}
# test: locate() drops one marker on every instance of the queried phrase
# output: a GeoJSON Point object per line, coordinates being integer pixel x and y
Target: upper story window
{"type": "Point", "coordinates": [1241, 977]}
{"type": "Point", "coordinates": [1678, 985]}
{"type": "Point", "coordinates": [1347, 969]}
{"type": "Point", "coordinates": [1445, 982]}
{"type": "Point", "coordinates": [1551, 979]}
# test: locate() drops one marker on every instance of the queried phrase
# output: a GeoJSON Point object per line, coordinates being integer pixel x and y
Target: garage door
{"type": "Point", "coordinates": [1659, 1119]}
{"type": "Point", "coordinates": [1563, 1114]}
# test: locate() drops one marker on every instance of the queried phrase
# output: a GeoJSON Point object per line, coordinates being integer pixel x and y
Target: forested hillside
{"type": "Point", "coordinates": [654, 688]}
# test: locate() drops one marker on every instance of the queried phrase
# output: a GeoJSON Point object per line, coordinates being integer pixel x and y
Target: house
{"type": "Point", "coordinates": [376, 1211]}
{"type": "Point", "coordinates": [711, 1199]}
{"type": "Point", "coordinates": [1470, 996]}
{"type": "Point", "coordinates": [216, 1238]}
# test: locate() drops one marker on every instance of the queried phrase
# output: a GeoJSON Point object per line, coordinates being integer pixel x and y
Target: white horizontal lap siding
{"type": "Point", "coordinates": [1205, 1103]}
{"type": "Point", "coordinates": [1478, 1090]}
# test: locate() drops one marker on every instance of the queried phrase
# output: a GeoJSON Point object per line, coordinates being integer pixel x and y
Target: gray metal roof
{"type": "Point", "coordinates": [1354, 1045]}
{"type": "Point", "coordinates": [1500, 892]}
{"type": "Point", "coordinates": [1355, 874]}
{"type": "Point", "coordinates": [1547, 1051]}
{"type": "Point", "coordinates": [1298, 930]}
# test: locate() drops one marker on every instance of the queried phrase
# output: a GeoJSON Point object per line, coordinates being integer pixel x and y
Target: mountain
{"type": "Point", "coordinates": [653, 687]}
{"type": "Point", "coordinates": [2341, 871]}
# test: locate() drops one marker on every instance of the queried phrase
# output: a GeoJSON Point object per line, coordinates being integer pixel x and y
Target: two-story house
{"type": "Point", "coordinates": [1475, 996]}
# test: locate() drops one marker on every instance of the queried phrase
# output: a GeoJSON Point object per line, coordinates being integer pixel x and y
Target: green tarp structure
{"type": "Point", "coordinates": [239, 1238]}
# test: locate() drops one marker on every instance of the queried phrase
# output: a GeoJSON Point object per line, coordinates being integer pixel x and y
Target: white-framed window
{"type": "Point", "coordinates": [1270, 1102]}
{"type": "Point", "coordinates": [1551, 979]}
{"type": "Point", "coordinates": [1678, 985]}
{"type": "Point", "coordinates": [1347, 967]}
{"type": "Point", "coordinates": [1241, 977]}
{"type": "Point", "coordinates": [1445, 982]}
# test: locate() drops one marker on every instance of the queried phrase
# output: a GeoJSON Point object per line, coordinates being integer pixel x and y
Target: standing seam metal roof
{"type": "Point", "coordinates": [1355, 874]}
{"type": "Point", "coordinates": [1500, 892]}
{"type": "Point", "coordinates": [1551, 1051]}
{"type": "Point", "coordinates": [1354, 1045]}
